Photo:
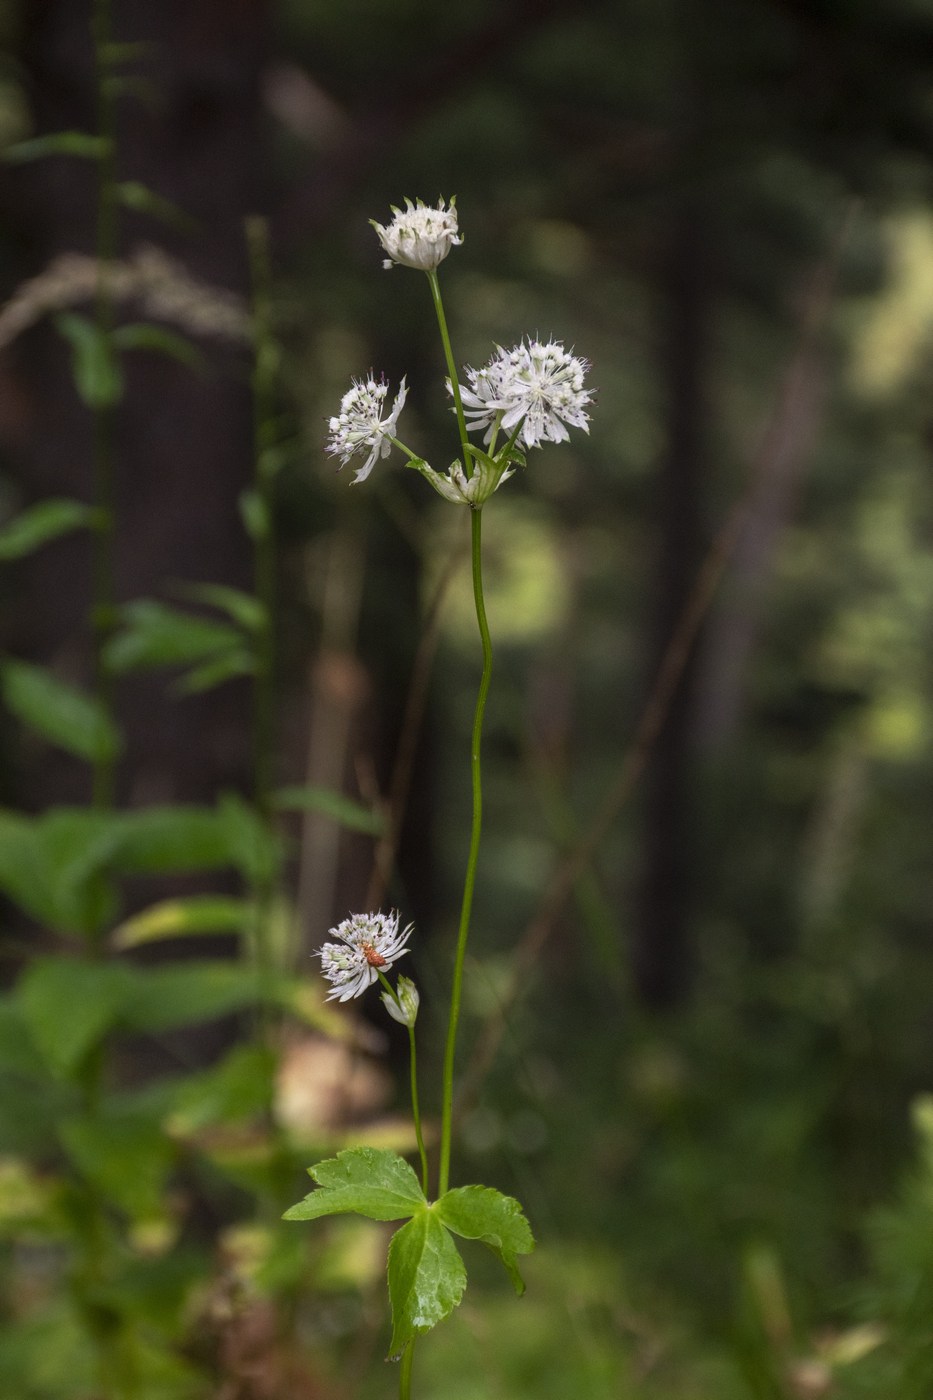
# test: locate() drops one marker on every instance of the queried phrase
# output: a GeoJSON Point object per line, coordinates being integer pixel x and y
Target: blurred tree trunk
{"type": "Point", "coordinates": [183, 449]}
{"type": "Point", "coordinates": [662, 956]}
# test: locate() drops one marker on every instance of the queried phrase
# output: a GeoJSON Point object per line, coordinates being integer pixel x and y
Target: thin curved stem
{"type": "Point", "coordinates": [470, 877]}
{"type": "Point", "coordinates": [451, 366]}
{"type": "Point", "coordinates": [415, 1102]}
{"type": "Point", "coordinates": [416, 1110]}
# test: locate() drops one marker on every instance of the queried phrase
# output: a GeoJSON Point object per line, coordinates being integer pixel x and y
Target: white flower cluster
{"type": "Point", "coordinates": [369, 944]}
{"type": "Point", "coordinates": [359, 426]}
{"type": "Point", "coordinates": [419, 236]}
{"type": "Point", "coordinates": [531, 393]}
{"type": "Point", "coordinates": [540, 386]}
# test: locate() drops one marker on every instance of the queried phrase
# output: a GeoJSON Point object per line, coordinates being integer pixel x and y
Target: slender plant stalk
{"type": "Point", "coordinates": [469, 882]}
{"type": "Point", "coordinates": [103, 574]}
{"type": "Point", "coordinates": [404, 1374]}
{"type": "Point", "coordinates": [472, 859]}
{"type": "Point", "coordinates": [415, 1103]}
{"type": "Point", "coordinates": [415, 1109]}
{"type": "Point", "coordinates": [451, 368]}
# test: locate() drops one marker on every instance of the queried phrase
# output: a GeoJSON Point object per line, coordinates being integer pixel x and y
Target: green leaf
{"type": "Point", "coordinates": [153, 634]}
{"type": "Point", "coordinates": [70, 1005]}
{"type": "Point", "coordinates": [238, 1088]}
{"type": "Point", "coordinates": [57, 143]}
{"type": "Point", "coordinates": [426, 1278]}
{"type": "Point", "coordinates": [24, 868]}
{"type": "Point", "coordinates": [126, 1155]}
{"type": "Point", "coordinates": [31, 1109]}
{"type": "Point", "coordinates": [159, 840]}
{"type": "Point", "coordinates": [51, 866]}
{"type": "Point", "coordinates": [480, 1213]}
{"type": "Point", "coordinates": [179, 918]}
{"type": "Point", "coordinates": [368, 1181]}
{"type": "Point", "coordinates": [97, 374]}
{"type": "Point", "coordinates": [135, 195]}
{"type": "Point", "coordinates": [244, 608]}
{"type": "Point", "coordinates": [254, 515]}
{"type": "Point", "coordinates": [44, 522]}
{"type": "Point", "coordinates": [18, 1052]}
{"type": "Point", "coordinates": [142, 335]}
{"type": "Point", "coordinates": [226, 667]}
{"type": "Point", "coordinates": [254, 849]}
{"type": "Point", "coordinates": [186, 993]}
{"type": "Point", "coordinates": [344, 810]}
{"type": "Point", "coordinates": [67, 717]}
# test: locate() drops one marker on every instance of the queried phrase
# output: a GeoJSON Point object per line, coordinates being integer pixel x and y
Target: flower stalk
{"type": "Point", "coordinates": [476, 827]}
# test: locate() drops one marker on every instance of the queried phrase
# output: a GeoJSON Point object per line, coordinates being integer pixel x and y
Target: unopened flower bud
{"type": "Point", "coordinates": [419, 236]}
{"type": "Point", "coordinates": [403, 1007]}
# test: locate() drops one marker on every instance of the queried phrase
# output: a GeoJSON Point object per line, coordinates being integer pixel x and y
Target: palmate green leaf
{"type": "Point", "coordinates": [181, 918]}
{"type": "Point", "coordinates": [65, 716]}
{"type": "Point", "coordinates": [44, 522]}
{"type": "Point", "coordinates": [426, 1278]}
{"type": "Point", "coordinates": [344, 810]}
{"type": "Point", "coordinates": [368, 1181]}
{"type": "Point", "coordinates": [481, 1213]}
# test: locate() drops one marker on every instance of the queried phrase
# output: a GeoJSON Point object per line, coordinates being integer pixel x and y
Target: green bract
{"type": "Point", "coordinates": [426, 1274]}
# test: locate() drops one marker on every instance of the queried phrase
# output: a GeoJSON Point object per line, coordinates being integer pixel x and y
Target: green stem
{"type": "Point", "coordinates": [415, 1102]}
{"type": "Point", "coordinates": [404, 1374]}
{"type": "Point", "coordinates": [103, 584]}
{"type": "Point", "coordinates": [416, 1110]}
{"type": "Point", "coordinates": [470, 877]}
{"type": "Point", "coordinates": [451, 367]}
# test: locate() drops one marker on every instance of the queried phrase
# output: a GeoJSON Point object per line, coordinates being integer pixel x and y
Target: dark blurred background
{"type": "Point", "coordinates": [725, 1016]}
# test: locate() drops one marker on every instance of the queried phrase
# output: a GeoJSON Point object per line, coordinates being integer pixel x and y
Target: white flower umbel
{"type": "Point", "coordinates": [540, 386]}
{"type": "Point", "coordinates": [368, 944]}
{"type": "Point", "coordinates": [419, 236]}
{"type": "Point", "coordinates": [359, 426]}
